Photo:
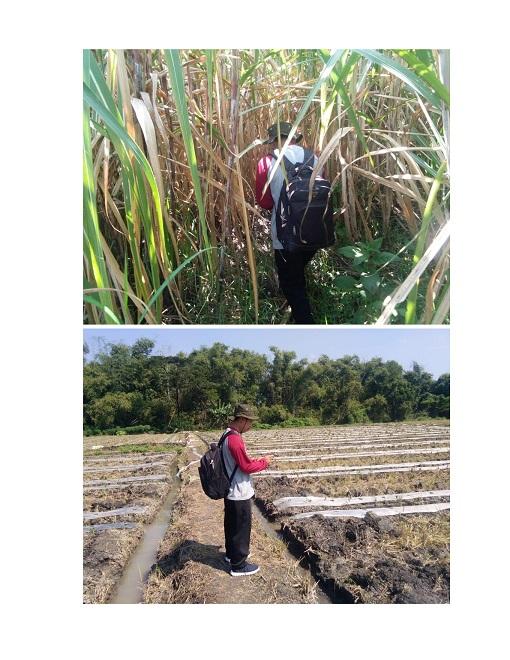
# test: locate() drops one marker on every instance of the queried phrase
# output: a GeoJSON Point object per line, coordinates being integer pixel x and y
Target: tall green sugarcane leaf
{"type": "Point", "coordinates": [410, 315]}
{"type": "Point", "coordinates": [98, 85]}
{"type": "Point", "coordinates": [134, 179]}
{"type": "Point", "coordinates": [120, 132]}
{"type": "Point", "coordinates": [92, 234]}
{"type": "Point", "coordinates": [177, 82]}
{"type": "Point", "coordinates": [109, 315]}
{"type": "Point", "coordinates": [426, 72]}
{"type": "Point", "coordinates": [405, 74]}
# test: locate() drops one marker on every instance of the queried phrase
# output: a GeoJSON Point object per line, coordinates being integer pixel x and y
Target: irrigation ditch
{"type": "Point", "coordinates": [376, 534]}
{"type": "Point", "coordinates": [131, 585]}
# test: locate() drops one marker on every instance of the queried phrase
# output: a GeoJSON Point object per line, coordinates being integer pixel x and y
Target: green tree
{"type": "Point", "coordinates": [442, 385]}
{"type": "Point", "coordinates": [377, 408]}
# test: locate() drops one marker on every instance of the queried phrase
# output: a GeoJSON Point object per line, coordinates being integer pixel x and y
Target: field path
{"type": "Point", "coordinates": [191, 566]}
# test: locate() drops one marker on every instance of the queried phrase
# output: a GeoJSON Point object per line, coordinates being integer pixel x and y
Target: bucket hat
{"type": "Point", "coordinates": [285, 129]}
{"type": "Point", "coordinates": [246, 411]}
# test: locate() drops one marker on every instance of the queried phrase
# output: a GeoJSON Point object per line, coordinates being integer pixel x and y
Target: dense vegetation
{"type": "Point", "coordinates": [129, 387]}
{"type": "Point", "coordinates": [172, 233]}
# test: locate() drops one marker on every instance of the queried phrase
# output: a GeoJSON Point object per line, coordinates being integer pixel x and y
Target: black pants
{"type": "Point", "coordinates": [291, 275]}
{"type": "Point", "coordinates": [237, 524]}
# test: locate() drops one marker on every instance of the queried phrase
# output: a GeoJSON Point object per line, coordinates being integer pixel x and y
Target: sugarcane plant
{"type": "Point", "coordinates": [171, 138]}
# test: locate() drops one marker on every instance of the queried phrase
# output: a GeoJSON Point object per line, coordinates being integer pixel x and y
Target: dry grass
{"type": "Point", "coordinates": [421, 532]}
{"type": "Point", "coordinates": [379, 484]}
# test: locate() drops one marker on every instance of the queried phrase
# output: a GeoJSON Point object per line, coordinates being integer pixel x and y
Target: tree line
{"type": "Point", "coordinates": [127, 388]}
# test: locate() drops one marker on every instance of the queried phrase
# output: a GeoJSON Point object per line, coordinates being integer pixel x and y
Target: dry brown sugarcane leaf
{"type": "Point", "coordinates": [390, 184]}
{"type": "Point", "coordinates": [234, 114]}
{"type": "Point", "coordinates": [116, 186]}
{"type": "Point", "coordinates": [102, 159]}
{"type": "Point", "coordinates": [411, 177]}
{"type": "Point", "coordinates": [94, 140]}
{"type": "Point", "coordinates": [352, 205]}
{"type": "Point", "coordinates": [149, 134]}
{"type": "Point", "coordinates": [433, 286]}
{"type": "Point", "coordinates": [413, 168]}
{"type": "Point", "coordinates": [123, 79]}
{"type": "Point", "coordinates": [438, 137]}
{"type": "Point", "coordinates": [380, 152]}
{"type": "Point", "coordinates": [345, 199]}
{"type": "Point", "coordinates": [111, 204]}
{"type": "Point", "coordinates": [222, 166]}
{"type": "Point", "coordinates": [429, 298]}
{"type": "Point", "coordinates": [407, 211]}
{"type": "Point", "coordinates": [220, 186]}
{"type": "Point", "coordinates": [443, 309]}
{"type": "Point", "coordinates": [157, 118]}
{"type": "Point", "coordinates": [326, 153]}
{"type": "Point", "coordinates": [98, 161]}
{"type": "Point", "coordinates": [368, 233]}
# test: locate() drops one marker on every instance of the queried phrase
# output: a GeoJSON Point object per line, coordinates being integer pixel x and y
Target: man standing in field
{"type": "Point", "coordinates": [238, 503]}
{"type": "Point", "coordinates": [289, 265]}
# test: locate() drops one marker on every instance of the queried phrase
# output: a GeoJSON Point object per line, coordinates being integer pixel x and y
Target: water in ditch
{"type": "Point", "coordinates": [131, 585]}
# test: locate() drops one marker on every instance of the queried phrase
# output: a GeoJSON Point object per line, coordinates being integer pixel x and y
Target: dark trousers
{"type": "Point", "coordinates": [291, 275]}
{"type": "Point", "coordinates": [237, 524]}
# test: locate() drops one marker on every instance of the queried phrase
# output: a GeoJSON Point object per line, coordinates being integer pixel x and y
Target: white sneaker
{"type": "Point", "coordinates": [247, 569]}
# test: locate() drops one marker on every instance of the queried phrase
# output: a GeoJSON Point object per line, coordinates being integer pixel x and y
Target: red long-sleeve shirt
{"type": "Point", "coordinates": [238, 450]}
{"type": "Point", "coordinates": [263, 167]}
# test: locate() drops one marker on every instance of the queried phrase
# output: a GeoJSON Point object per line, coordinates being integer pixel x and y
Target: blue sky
{"type": "Point", "coordinates": [427, 346]}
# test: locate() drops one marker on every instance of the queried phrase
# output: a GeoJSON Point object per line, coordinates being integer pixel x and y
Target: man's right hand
{"type": "Point", "coordinates": [269, 459]}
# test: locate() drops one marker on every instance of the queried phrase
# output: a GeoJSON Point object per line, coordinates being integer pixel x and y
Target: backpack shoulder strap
{"type": "Point", "coordinates": [287, 163]}
{"type": "Point", "coordinates": [308, 157]}
{"type": "Point", "coordinates": [224, 436]}
{"type": "Point", "coordinates": [220, 446]}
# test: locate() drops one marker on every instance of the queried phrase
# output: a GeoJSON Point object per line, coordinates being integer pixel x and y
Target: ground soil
{"type": "Point", "coordinates": [105, 555]}
{"type": "Point", "coordinates": [355, 560]}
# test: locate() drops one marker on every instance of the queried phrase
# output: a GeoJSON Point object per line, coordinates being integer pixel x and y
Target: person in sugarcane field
{"type": "Point", "coordinates": [290, 263]}
{"type": "Point", "coordinates": [238, 502]}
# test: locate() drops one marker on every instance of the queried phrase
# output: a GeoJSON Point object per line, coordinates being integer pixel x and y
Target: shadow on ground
{"type": "Point", "coordinates": [191, 551]}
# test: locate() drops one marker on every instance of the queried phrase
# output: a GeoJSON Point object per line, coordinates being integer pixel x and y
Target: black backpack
{"type": "Point", "coordinates": [302, 225]}
{"type": "Point", "coordinates": [213, 471]}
